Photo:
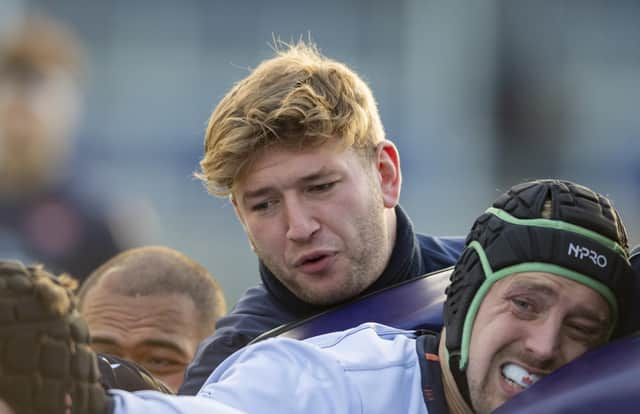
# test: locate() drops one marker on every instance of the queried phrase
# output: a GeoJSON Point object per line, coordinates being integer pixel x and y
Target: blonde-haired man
{"type": "Point", "coordinates": [299, 148]}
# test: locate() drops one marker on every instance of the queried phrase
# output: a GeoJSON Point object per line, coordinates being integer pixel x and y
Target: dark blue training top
{"type": "Point", "coordinates": [270, 304]}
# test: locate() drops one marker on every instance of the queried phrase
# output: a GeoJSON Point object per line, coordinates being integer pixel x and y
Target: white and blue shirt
{"type": "Point", "coordinates": [368, 369]}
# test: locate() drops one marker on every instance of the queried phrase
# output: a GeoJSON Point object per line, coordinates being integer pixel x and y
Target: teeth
{"type": "Point", "coordinates": [519, 376]}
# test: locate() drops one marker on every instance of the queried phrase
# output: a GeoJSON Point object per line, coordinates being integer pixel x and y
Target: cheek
{"type": "Point", "coordinates": [572, 349]}
{"type": "Point", "coordinates": [479, 350]}
{"type": "Point", "coordinates": [264, 233]}
{"type": "Point", "coordinates": [496, 333]}
{"type": "Point", "coordinates": [267, 243]}
{"type": "Point", "coordinates": [265, 240]}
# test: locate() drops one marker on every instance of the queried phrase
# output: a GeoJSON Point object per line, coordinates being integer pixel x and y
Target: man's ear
{"type": "Point", "coordinates": [388, 168]}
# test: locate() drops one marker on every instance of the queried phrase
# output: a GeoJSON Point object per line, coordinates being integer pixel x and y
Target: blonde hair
{"type": "Point", "coordinates": [297, 99]}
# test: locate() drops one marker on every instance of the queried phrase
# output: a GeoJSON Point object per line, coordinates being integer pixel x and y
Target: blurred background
{"type": "Point", "coordinates": [477, 95]}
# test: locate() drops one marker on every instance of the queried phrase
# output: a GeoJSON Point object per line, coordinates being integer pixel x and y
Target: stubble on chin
{"type": "Point", "coordinates": [483, 399]}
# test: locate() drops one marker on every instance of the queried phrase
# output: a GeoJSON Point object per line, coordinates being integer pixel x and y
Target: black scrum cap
{"type": "Point", "coordinates": [580, 236]}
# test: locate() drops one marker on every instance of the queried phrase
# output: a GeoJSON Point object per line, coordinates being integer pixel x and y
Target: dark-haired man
{"type": "Point", "coordinates": [151, 305]}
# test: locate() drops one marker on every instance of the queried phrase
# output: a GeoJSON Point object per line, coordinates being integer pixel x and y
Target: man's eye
{"type": "Point", "coordinates": [587, 332]}
{"type": "Point", "coordinates": [319, 188]}
{"type": "Point", "coordinates": [584, 330]}
{"type": "Point", "coordinates": [523, 307]}
{"type": "Point", "coordinates": [161, 365]}
{"type": "Point", "coordinates": [263, 206]}
{"type": "Point", "coordinates": [159, 362]}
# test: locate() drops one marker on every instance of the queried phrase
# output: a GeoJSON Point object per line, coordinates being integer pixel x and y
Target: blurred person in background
{"type": "Point", "coordinates": [299, 148]}
{"type": "Point", "coordinates": [43, 216]}
{"type": "Point", "coordinates": [151, 305]}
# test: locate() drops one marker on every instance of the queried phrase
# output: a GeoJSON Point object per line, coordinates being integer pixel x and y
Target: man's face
{"type": "Point", "coordinates": [321, 220]}
{"type": "Point", "coordinates": [159, 332]}
{"type": "Point", "coordinates": [39, 108]}
{"type": "Point", "coordinates": [528, 325]}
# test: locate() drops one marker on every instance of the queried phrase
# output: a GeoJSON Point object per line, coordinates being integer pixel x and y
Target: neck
{"type": "Point", "coordinates": [392, 228]}
{"type": "Point", "coordinates": [455, 401]}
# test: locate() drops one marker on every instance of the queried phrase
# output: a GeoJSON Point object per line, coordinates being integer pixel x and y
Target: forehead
{"type": "Point", "coordinates": [169, 305]}
{"type": "Point", "coordinates": [279, 162]}
{"type": "Point", "coordinates": [569, 293]}
{"type": "Point", "coordinates": [104, 301]}
{"type": "Point", "coordinates": [164, 314]}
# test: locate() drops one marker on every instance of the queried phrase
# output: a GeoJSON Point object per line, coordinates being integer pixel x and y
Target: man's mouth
{"type": "Point", "coordinates": [518, 376]}
{"type": "Point", "coordinates": [316, 262]}
{"type": "Point", "coordinates": [311, 258]}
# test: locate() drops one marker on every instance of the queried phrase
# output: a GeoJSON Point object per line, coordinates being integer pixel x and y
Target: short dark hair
{"type": "Point", "coordinates": [159, 270]}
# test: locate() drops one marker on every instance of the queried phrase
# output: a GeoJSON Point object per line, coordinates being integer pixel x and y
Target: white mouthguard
{"type": "Point", "coordinates": [519, 375]}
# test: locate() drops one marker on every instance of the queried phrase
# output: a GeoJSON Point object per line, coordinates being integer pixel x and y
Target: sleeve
{"type": "Point", "coordinates": [145, 402]}
{"type": "Point", "coordinates": [278, 376]}
{"type": "Point", "coordinates": [211, 352]}
{"type": "Point", "coordinates": [283, 376]}
{"type": "Point", "coordinates": [256, 312]}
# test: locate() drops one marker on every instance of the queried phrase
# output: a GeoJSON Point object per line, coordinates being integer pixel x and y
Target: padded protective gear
{"type": "Point", "coordinates": [127, 375]}
{"type": "Point", "coordinates": [582, 239]}
{"type": "Point", "coordinates": [46, 364]}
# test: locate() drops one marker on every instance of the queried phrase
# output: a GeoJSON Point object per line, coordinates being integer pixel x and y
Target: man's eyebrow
{"type": "Point", "coordinates": [533, 286]}
{"type": "Point", "coordinates": [260, 192]}
{"type": "Point", "coordinates": [162, 343]}
{"type": "Point", "coordinates": [311, 177]}
{"type": "Point", "coordinates": [588, 313]}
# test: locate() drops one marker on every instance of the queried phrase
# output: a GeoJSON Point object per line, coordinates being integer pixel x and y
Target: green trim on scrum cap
{"type": "Point", "coordinates": [559, 225]}
{"type": "Point", "coordinates": [491, 278]}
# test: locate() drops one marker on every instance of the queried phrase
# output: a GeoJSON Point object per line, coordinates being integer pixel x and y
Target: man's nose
{"type": "Point", "coordinates": [301, 224]}
{"type": "Point", "coordinates": [543, 339]}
